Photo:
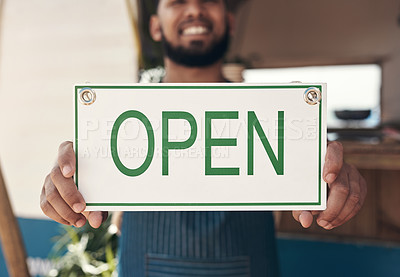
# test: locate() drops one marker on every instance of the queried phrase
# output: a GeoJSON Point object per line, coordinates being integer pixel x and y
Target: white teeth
{"type": "Point", "coordinates": [195, 30]}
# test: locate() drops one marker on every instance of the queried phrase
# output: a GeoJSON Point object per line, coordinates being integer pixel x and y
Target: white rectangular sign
{"type": "Point", "coordinates": [201, 146]}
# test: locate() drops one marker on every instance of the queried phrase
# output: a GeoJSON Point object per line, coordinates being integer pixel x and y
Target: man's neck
{"type": "Point", "coordinates": [176, 73]}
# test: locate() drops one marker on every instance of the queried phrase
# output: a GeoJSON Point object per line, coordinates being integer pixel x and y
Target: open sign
{"type": "Point", "coordinates": [201, 146]}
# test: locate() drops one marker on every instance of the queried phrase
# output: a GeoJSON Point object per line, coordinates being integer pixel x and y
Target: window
{"type": "Point", "coordinates": [350, 87]}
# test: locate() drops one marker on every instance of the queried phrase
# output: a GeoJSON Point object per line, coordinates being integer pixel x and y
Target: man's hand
{"type": "Point", "coordinates": [347, 192]}
{"type": "Point", "coordinates": [60, 198]}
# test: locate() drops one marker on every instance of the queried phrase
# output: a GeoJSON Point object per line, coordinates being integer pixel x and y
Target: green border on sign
{"type": "Point", "coordinates": [247, 86]}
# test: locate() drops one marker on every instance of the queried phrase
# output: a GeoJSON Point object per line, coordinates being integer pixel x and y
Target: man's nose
{"type": "Point", "coordinates": [195, 9]}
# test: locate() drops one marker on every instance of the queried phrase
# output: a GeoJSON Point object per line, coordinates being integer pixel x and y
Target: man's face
{"type": "Point", "coordinates": [193, 32]}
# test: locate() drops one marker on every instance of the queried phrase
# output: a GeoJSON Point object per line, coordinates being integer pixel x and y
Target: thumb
{"type": "Point", "coordinates": [66, 159]}
{"type": "Point", "coordinates": [333, 161]}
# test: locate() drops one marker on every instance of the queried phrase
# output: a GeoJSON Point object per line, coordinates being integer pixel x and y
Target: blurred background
{"type": "Point", "coordinates": [47, 46]}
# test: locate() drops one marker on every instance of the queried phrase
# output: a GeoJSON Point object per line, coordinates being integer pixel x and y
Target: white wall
{"type": "Point", "coordinates": [46, 47]}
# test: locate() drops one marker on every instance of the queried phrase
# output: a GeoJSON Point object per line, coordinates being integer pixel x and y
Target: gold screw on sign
{"type": "Point", "coordinates": [312, 96]}
{"type": "Point", "coordinates": [87, 96]}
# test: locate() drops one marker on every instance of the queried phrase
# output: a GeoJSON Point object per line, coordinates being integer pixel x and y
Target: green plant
{"type": "Point", "coordinates": [85, 251]}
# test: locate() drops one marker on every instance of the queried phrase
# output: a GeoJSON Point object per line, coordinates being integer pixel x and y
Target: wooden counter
{"type": "Point", "coordinates": [382, 156]}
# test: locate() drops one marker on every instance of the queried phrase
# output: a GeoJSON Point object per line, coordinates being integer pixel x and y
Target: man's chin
{"type": "Point", "coordinates": [197, 52]}
{"type": "Point", "coordinates": [199, 46]}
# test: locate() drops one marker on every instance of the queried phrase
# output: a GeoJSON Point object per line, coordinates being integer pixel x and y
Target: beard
{"type": "Point", "coordinates": [196, 55]}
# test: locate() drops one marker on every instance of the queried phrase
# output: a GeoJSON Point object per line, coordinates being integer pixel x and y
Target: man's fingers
{"type": "Point", "coordinates": [333, 161]}
{"type": "Point", "coordinates": [68, 190]}
{"type": "Point", "coordinates": [49, 210]}
{"type": "Point", "coordinates": [296, 215]}
{"type": "Point", "coordinates": [54, 198]}
{"type": "Point", "coordinates": [363, 194]}
{"type": "Point", "coordinates": [304, 217]}
{"type": "Point", "coordinates": [96, 218]}
{"type": "Point", "coordinates": [338, 194]}
{"type": "Point", "coordinates": [353, 202]}
{"type": "Point", "coordinates": [66, 159]}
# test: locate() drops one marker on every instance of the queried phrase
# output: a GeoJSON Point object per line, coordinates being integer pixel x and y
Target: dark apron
{"type": "Point", "coordinates": [209, 244]}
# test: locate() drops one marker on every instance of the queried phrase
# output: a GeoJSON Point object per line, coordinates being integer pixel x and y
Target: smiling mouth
{"type": "Point", "coordinates": [195, 30]}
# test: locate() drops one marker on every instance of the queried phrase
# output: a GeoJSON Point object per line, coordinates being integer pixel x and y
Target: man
{"type": "Point", "coordinates": [195, 36]}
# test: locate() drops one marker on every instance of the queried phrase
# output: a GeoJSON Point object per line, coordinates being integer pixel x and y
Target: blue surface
{"type": "Point", "coordinates": [297, 257]}
{"type": "Point", "coordinates": [37, 235]}
{"type": "Point", "coordinates": [317, 258]}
